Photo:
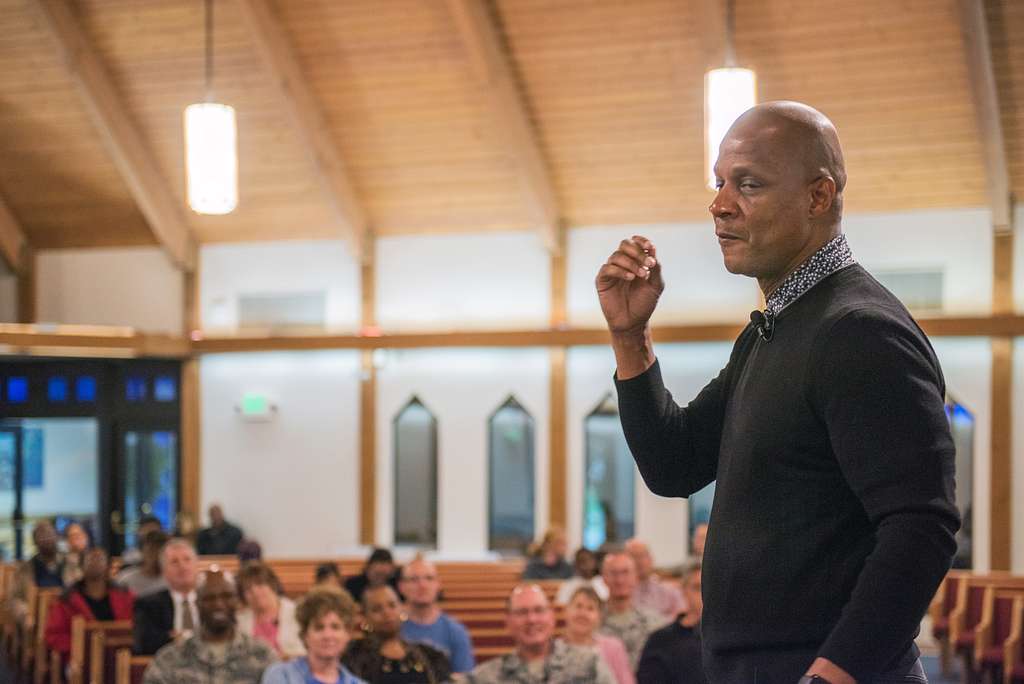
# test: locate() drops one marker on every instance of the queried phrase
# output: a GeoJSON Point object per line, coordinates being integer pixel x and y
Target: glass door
{"type": "Point", "coordinates": [147, 470]}
{"type": "Point", "coordinates": [11, 516]}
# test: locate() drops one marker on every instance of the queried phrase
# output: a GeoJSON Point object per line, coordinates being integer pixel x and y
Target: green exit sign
{"type": "Point", "coordinates": [255, 406]}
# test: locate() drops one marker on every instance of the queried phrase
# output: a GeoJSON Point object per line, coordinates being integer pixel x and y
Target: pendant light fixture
{"type": "Point", "coordinates": [728, 92]}
{"type": "Point", "coordinates": [211, 151]}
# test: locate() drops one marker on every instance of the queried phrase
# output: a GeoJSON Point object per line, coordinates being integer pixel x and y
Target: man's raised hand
{"type": "Point", "coordinates": [629, 284]}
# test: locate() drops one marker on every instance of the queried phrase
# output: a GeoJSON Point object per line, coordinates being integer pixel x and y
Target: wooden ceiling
{"type": "Point", "coordinates": [611, 91]}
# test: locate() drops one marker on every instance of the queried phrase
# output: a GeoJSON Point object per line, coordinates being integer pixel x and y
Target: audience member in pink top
{"type": "Point", "coordinates": [582, 618]}
{"type": "Point", "coordinates": [653, 594]}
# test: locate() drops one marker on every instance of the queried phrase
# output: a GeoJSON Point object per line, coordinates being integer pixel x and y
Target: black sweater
{"type": "Point", "coordinates": [834, 514]}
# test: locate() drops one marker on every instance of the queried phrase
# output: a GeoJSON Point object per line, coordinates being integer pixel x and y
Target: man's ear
{"type": "Point", "coordinates": [823, 194]}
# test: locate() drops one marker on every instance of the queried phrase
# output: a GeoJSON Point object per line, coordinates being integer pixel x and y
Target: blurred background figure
{"type": "Point", "coordinates": [547, 559]}
{"type": "Point", "coordinates": [585, 574]}
{"type": "Point", "coordinates": [147, 577]}
{"type": "Point", "coordinates": [379, 570]}
{"type": "Point", "coordinates": [583, 616]}
{"type": "Point", "coordinates": [267, 613]}
{"type": "Point", "coordinates": [673, 653]}
{"type": "Point", "coordinates": [221, 538]}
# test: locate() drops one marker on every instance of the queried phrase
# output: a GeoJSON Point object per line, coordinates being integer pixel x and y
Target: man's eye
{"type": "Point", "coordinates": [719, 184]}
{"type": "Point", "coordinates": [749, 185]}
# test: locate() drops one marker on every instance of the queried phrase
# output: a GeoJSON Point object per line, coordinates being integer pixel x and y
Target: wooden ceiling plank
{"type": "Point", "coordinates": [978, 53]}
{"type": "Point", "coordinates": [492, 68]}
{"type": "Point", "coordinates": [13, 242]}
{"type": "Point", "coordinates": [122, 138]}
{"type": "Point", "coordinates": [297, 97]}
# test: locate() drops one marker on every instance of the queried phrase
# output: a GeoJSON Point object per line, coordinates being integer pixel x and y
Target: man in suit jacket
{"type": "Point", "coordinates": [171, 613]}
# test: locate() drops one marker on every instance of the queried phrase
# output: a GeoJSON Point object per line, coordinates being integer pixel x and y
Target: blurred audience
{"type": "Point", "coordinates": [327, 575]}
{"type": "Point", "coordinates": [325, 618]}
{"type": "Point", "coordinates": [171, 613]}
{"type": "Point", "coordinates": [622, 618]}
{"type": "Point", "coordinates": [379, 570]}
{"type": "Point", "coordinates": [146, 524]}
{"type": "Point", "coordinates": [547, 558]}
{"type": "Point", "coordinates": [268, 614]}
{"type": "Point", "coordinates": [538, 657]}
{"type": "Point", "coordinates": [427, 623]}
{"type": "Point", "coordinates": [583, 616]}
{"type": "Point", "coordinates": [44, 569]}
{"type": "Point", "coordinates": [700, 535]}
{"type": "Point", "coordinates": [673, 653]}
{"type": "Point", "coordinates": [218, 652]}
{"type": "Point", "coordinates": [76, 541]}
{"type": "Point", "coordinates": [652, 593]}
{"type": "Point", "coordinates": [382, 655]}
{"type": "Point", "coordinates": [146, 578]}
{"type": "Point", "coordinates": [585, 574]}
{"type": "Point", "coordinates": [93, 597]}
{"type": "Point", "coordinates": [249, 550]}
{"type": "Point", "coordinates": [221, 538]}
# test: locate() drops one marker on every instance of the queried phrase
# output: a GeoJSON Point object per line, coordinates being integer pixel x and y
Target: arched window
{"type": "Point", "coordinates": [415, 475]}
{"type": "Point", "coordinates": [961, 424]}
{"type": "Point", "coordinates": [608, 483]}
{"type": "Point", "coordinates": [511, 495]}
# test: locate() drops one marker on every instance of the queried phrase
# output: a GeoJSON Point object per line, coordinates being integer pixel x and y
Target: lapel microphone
{"type": "Point", "coordinates": [765, 323]}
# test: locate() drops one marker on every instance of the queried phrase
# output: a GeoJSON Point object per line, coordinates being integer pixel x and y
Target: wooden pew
{"type": "Point", "coordinates": [35, 659]}
{"type": "Point", "coordinates": [87, 662]}
{"type": "Point", "coordinates": [995, 629]}
{"type": "Point", "coordinates": [130, 668]}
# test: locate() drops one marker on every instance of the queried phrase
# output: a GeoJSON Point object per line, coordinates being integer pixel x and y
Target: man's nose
{"type": "Point", "coordinates": [724, 203]}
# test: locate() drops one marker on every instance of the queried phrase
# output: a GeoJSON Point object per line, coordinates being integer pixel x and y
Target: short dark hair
{"type": "Point", "coordinates": [379, 555]}
{"type": "Point", "coordinates": [149, 519]}
{"type": "Point", "coordinates": [325, 570]}
{"type": "Point", "coordinates": [155, 538]}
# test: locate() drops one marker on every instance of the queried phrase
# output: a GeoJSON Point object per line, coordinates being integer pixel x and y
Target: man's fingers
{"type": "Point", "coordinates": [627, 262]}
{"type": "Point", "coordinates": [647, 255]}
{"type": "Point", "coordinates": [611, 274]}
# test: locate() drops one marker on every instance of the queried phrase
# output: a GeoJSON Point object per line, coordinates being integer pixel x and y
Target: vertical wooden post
{"type": "Point", "coordinates": [1000, 488]}
{"type": "Point", "coordinates": [27, 289]}
{"type": "Point", "coordinates": [368, 414]}
{"type": "Point", "coordinates": [190, 404]}
{"type": "Point", "coordinates": [558, 464]}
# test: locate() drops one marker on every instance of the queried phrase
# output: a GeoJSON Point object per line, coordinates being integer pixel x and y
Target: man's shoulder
{"type": "Point", "coordinates": [154, 600]}
{"type": "Point", "coordinates": [451, 624]}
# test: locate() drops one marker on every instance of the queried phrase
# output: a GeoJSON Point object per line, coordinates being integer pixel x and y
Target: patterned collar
{"type": "Point", "coordinates": [832, 257]}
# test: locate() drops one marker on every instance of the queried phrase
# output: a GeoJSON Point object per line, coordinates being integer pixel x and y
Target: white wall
{"type": "Point", "coordinates": [465, 282]}
{"type": "Point", "coordinates": [697, 286]}
{"type": "Point", "coordinates": [686, 369]}
{"type": "Point", "coordinates": [291, 483]}
{"type": "Point", "coordinates": [462, 388]}
{"type": "Point", "coordinates": [967, 366]}
{"type": "Point", "coordinates": [132, 286]}
{"type": "Point", "coordinates": [262, 268]}
{"type": "Point", "coordinates": [956, 241]}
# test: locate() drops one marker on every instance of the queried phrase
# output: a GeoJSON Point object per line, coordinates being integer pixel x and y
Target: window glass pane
{"type": "Point", "coordinates": [85, 388]}
{"type": "Point", "coordinates": [609, 479]}
{"type": "Point", "coordinates": [511, 478]}
{"type": "Point", "coordinates": [150, 479]}
{"type": "Point", "coordinates": [135, 388]}
{"type": "Point", "coordinates": [415, 476]}
{"type": "Point", "coordinates": [57, 389]}
{"type": "Point", "coordinates": [165, 388]}
{"type": "Point", "coordinates": [17, 390]}
{"type": "Point", "coordinates": [961, 423]}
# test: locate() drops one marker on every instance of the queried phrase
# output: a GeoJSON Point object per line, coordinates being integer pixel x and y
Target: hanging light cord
{"type": "Point", "coordinates": [209, 50]}
{"type": "Point", "coordinates": [730, 30]}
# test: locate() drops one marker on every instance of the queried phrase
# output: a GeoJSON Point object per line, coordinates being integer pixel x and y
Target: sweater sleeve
{"type": "Point", "coordinates": [675, 448]}
{"type": "Point", "coordinates": [879, 390]}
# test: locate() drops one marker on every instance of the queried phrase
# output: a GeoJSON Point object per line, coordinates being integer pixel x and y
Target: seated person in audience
{"type": "Point", "coordinates": [538, 657]}
{"type": "Point", "coordinates": [171, 613]}
{"type": "Point", "coordinates": [76, 540]}
{"type": "Point", "coordinates": [146, 524]}
{"type": "Point", "coordinates": [652, 593]}
{"type": "Point", "coordinates": [673, 653]}
{"type": "Point", "coordinates": [328, 575]}
{"type": "Point", "coordinates": [93, 597]}
{"type": "Point", "coordinates": [382, 656]}
{"type": "Point", "coordinates": [221, 538]}
{"type": "Point", "coordinates": [548, 558]}
{"type": "Point", "coordinates": [268, 614]}
{"type": "Point", "coordinates": [427, 623]}
{"type": "Point", "coordinates": [583, 617]}
{"type": "Point", "coordinates": [249, 550]}
{"type": "Point", "coordinates": [622, 618]}
{"type": "Point", "coordinates": [146, 578]}
{"type": "Point", "coordinates": [44, 569]}
{"type": "Point", "coordinates": [325, 618]}
{"type": "Point", "coordinates": [379, 570]}
{"type": "Point", "coordinates": [218, 652]}
{"type": "Point", "coordinates": [585, 575]}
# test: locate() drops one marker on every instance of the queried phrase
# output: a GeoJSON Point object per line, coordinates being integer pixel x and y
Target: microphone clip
{"type": "Point", "coordinates": [764, 322]}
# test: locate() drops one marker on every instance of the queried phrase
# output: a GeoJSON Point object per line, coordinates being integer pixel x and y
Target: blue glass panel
{"type": "Point", "coordinates": [57, 389]}
{"type": "Point", "coordinates": [85, 388]}
{"type": "Point", "coordinates": [17, 390]}
{"type": "Point", "coordinates": [135, 388]}
{"type": "Point", "coordinates": [165, 388]}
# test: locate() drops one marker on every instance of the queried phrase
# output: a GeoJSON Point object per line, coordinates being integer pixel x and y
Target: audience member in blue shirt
{"type": "Point", "coordinates": [427, 624]}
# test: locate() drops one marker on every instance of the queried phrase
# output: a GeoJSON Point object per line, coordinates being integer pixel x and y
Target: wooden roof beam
{"type": "Point", "coordinates": [492, 67]}
{"type": "Point", "coordinates": [13, 243]}
{"type": "Point", "coordinates": [122, 138]}
{"type": "Point", "coordinates": [298, 99]}
{"type": "Point", "coordinates": [981, 76]}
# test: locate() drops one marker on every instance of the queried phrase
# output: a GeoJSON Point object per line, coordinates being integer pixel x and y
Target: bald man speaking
{"type": "Point", "coordinates": [834, 514]}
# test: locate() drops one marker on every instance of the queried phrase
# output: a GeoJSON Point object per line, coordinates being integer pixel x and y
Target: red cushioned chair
{"type": "Point", "coordinates": [993, 631]}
